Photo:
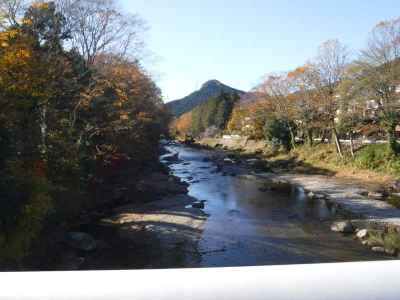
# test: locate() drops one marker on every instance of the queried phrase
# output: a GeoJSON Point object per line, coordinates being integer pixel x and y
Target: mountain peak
{"type": "Point", "coordinates": [209, 89]}
{"type": "Point", "coordinates": [211, 83]}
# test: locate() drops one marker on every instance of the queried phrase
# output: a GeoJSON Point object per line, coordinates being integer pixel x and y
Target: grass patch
{"type": "Point", "coordinates": [378, 158]}
{"type": "Point", "coordinates": [394, 200]}
{"type": "Point", "coordinates": [372, 163]}
{"type": "Point", "coordinates": [375, 238]}
{"type": "Point", "coordinates": [392, 240]}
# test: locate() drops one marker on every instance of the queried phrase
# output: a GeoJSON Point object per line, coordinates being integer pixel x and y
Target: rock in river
{"type": "Point", "coordinates": [342, 226]}
{"type": "Point", "coordinates": [362, 234]}
{"type": "Point", "coordinates": [81, 241]}
{"type": "Point", "coordinates": [376, 195]}
{"type": "Point", "coordinates": [199, 204]}
{"type": "Point", "coordinates": [228, 160]}
{"type": "Point", "coordinates": [311, 196]}
{"type": "Point", "coordinates": [378, 249]}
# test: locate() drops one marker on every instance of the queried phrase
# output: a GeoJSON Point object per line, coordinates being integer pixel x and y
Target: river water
{"type": "Point", "coordinates": [248, 227]}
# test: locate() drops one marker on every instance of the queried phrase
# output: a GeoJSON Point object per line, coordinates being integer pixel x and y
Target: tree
{"type": "Point", "coordinates": [182, 126]}
{"type": "Point", "coordinates": [276, 92]}
{"type": "Point", "coordinates": [98, 26]}
{"type": "Point", "coordinates": [66, 120]}
{"type": "Point", "coordinates": [352, 98]}
{"type": "Point", "coordinates": [11, 11]}
{"type": "Point", "coordinates": [278, 132]}
{"type": "Point", "coordinates": [328, 69]}
{"type": "Point", "coordinates": [303, 95]}
{"type": "Point", "coordinates": [380, 63]}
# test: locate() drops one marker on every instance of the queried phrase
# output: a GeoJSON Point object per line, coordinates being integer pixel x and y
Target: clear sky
{"type": "Point", "coordinates": [238, 41]}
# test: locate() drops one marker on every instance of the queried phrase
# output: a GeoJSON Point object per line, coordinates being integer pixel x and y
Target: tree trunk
{"type": "Point", "coordinates": [351, 144]}
{"type": "Point", "coordinates": [324, 135]}
{"type": "Point", "coordinates": [392, 141]}
{"type": "Point", "coordinates": [337, 142]}
{"type": "Point", "coordinates": [310, 137]}
{"type": "Point", "coordinates": [292, 137]}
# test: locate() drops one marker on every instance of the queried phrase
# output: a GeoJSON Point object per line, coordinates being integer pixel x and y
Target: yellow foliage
{"type": "Point", "coordinates": [27, 21]}
{"type": "Point", "coordinates": [40, 5]}
{"type": "Point", "coordinates": [124, 116]}
{"type": "Point", "coordinates": [15, 245]}
{"type": "Point", "coordinates": [182, 125]}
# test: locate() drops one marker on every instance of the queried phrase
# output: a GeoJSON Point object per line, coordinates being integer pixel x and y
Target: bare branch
{"type": "Point", "coordinates": [98, 27]}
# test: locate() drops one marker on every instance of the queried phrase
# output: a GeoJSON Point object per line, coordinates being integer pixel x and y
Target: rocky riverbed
{"type": "Point", "coordinates": [210, 207]}
{"type": "Point", "coordinates": [360, 206]}
{"type": "Point", "coordinates": [146, 221]}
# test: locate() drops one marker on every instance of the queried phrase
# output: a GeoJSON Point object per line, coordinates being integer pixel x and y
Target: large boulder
{"type": "Point", "coordinates": [81, 241]}
{"type": "Point", "coordinates": [343, 227]}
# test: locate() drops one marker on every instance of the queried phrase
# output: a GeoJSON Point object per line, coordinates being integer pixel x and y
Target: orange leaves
{"type": "Point", "coordinates": [124, 116]}
{"type": "Point", "coordinates": [182, 125]}
{"type": "Point", "coordinates": [237, 118]}
{"type": "Point", "coordinates": [39, 169]}
{"type": "Point", "coordinates": [298, 71]}
{"type": "Point", "coordinates": [7, 36]}
{"type": "Point", "coordinates": [40, 5]}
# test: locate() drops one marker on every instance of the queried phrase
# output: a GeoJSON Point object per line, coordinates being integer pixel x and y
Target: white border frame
{"type": "Point", "coordinates": [335, 281]}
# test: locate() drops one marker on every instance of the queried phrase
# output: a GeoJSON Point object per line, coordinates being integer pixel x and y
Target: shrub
{"type": "Point", "coordinates": [277, 133]}
{"type": "Point", "coordinates": [16, 238]}
{"type": "Point", "coordinates": [378, 158]}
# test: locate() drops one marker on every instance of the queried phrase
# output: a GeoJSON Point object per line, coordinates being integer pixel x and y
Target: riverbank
{"type": "Point", "coordinates": [147, 221]}
{"type": "Point", "coordinates": [321, 159]}
{"type": "Point", "coordinates": [359, 201]}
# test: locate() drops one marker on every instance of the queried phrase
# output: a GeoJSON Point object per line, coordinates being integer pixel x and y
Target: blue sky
{"type": "Point", "coordinates": [238, 41]}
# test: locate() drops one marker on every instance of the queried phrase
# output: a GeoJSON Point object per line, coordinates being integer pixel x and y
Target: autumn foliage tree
{"type": "Point", "coordinates": [380, 66]}
{"type": "Point", "coordinates": [67, 116]}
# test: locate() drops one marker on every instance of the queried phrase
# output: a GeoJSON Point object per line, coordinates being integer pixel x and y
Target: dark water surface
{"type": "Point", "coordinates": [249, 227]}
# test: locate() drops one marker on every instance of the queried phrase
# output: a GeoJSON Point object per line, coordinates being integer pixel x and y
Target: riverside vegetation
{"type": "Point", "coordinates": [78, 113]}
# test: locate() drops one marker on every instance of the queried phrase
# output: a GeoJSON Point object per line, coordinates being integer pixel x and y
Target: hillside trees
{"type": "Point", "coordinates": [66, 118]}
{"type": "Point", "coordinates": [182, 126]}
{"type": "Point", "coordinates": [35, 73]}
{"type": "Point", "coordinates": [210, 117]}
{"type": "Point", "coordinates": [215, 112]}
{"type": "Point", "coordinates": [307, 96]}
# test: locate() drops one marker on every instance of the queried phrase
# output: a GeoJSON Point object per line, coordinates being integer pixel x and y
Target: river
{"type": "Point", "coordinates": [248, 227]}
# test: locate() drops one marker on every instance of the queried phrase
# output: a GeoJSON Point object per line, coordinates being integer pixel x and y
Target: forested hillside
{"type": "Point", "coordinates": [209, 118]}
{"type": "Point", "coordinates": [210, 89]}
